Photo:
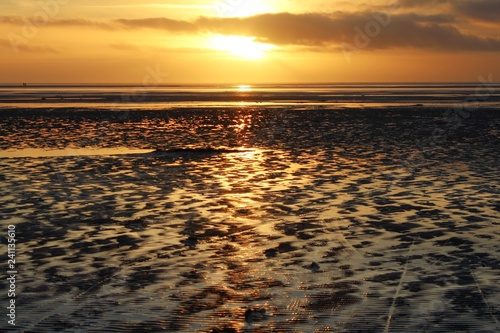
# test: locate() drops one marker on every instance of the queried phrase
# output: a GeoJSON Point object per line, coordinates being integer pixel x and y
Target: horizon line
{"type": "Point", "coordinates": [22, 84]}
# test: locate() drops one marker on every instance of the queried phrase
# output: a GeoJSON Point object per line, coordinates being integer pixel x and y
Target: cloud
{"type": "Point", "coordinates": [119, 24]}
{"type": "Point", "coordinates": [25, 47]}
{"type": "Point", "coordinates": [158, 23]}
{"type": "Point", "coordinates": [318, 30]}
{"type": "Point", "coordinates": [483, 10]}
{"type": "Point", "coordinates": [14, 20]}
{"type": "Point", "coordinates": [384, 32]}
{"type": "Point", "coordinates": [375, 30]}
{"type": "Point", "coordinates": [420, 3]}
{"type": "Point", "coordinates": [81, 23]}
{"type": "Point", "coordinates": [78, 22]}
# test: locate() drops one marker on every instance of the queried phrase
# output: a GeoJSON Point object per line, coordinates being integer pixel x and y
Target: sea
{"type": "Point", "coordinates": [162, 97]}
{"type": "Point", "coordinates": [363, 207]}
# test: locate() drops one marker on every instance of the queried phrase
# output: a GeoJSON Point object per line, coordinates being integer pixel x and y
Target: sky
{"type": "Point", "coordinates": [248, 41]}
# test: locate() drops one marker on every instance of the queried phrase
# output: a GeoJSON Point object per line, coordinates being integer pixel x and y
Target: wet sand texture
{"type": "Point", "coordinates": [255, 221]}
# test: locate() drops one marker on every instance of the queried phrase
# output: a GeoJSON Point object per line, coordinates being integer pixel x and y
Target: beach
{"type": "Point", "coordinates": [253, 218]}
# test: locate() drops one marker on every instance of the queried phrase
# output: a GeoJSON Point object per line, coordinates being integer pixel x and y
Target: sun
{"type": "Point", "coordinates": [240, 46]}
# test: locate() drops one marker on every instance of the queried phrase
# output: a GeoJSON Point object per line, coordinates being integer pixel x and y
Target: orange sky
{"type": "Point", "coordinates": [248, 41]}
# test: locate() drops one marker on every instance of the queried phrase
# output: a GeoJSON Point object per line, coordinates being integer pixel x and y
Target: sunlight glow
{"type": "Point", "coordinates": [241, 8]}
{"type": "Point", "coordinates": [244, 88]}
{"type": "Point", "coordinates": [241, 46]}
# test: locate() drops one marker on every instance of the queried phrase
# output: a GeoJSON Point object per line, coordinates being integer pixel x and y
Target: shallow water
{"type": "Point", "coordinates": [254, 220]}
{"type": "Point", "coordinates": [306, 96]}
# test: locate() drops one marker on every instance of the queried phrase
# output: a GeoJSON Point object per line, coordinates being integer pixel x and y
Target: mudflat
{"type": "Point", "coordinates": [253, 219]}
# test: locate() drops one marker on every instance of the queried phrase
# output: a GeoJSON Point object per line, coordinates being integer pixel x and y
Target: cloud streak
{"type": "Point", "coordinates": [79, 22]}
{"type": "Point", "coordinates": [28, 48]}
{"type": "Point", "coordinates": [158, 23]}
{"type": "Point", "coordinates": [480, 10]}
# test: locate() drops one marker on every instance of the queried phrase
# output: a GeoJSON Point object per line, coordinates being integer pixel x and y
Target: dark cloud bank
{"type": "Point", "coordinates": [384, 30]}
{"type": "Point", "coordinates": [482, 10]}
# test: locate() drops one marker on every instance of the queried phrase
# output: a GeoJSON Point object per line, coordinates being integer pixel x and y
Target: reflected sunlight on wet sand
{"type": "Point", "coordinates": [253, 220]}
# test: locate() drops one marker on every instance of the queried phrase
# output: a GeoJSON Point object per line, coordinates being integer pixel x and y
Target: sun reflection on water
{"type": "Point", "coordinates": [244, 88]}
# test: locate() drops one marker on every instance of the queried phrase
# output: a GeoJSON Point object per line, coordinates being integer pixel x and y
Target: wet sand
{"type": "Point", "coordinates": [255, 220]}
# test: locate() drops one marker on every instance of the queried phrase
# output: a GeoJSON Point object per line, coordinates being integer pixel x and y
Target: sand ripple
{"type": "Point", "coordinates": [296, 222]}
